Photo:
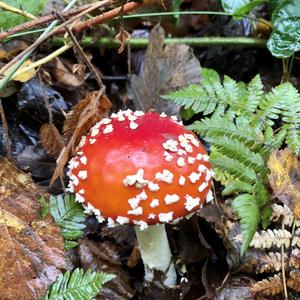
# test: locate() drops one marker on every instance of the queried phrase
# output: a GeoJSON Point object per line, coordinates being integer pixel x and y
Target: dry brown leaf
{"type": "Point", "coordinates": [31, 249]}
{"type": "Point", "coordinates": [122, 37]}
{"type": "Point", "coordinates": [105, 256]}
{"type": "Point", "coordinates": [78, 122]}
{"type": "Point", "coordinates": [12, 48]}
{"type": "Point", "coordinates": [294, 280]}
{"type": "Point", "coordinates": [268, 287]}
{"type": "Point", "coordinates": [64, 76]}
{"type": "Point", "coordinates": [51, 139]}
{"type": "Point", "coordinates": [165, 69]}
{"type": "Point", "coordinates": [284, 178]}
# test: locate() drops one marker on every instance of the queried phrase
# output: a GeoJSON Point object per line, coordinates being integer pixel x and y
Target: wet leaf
{"type": "Point", "coordinates": [285, 39]}
{"type": "Point", "coordinates": [31, 249]}
{"type": "Point", "coordinates": [284, 178]}
{"type": "Point", "coordinates": [104, 256]}
{"type": "Point", "coordinates": [165, 69]}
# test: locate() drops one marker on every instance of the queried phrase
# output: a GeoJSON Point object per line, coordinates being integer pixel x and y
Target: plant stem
{"type": "Point", "coordinates": [156, 253]}
{"type": "Point", "coordinates": [5, 80]}
{"type": "Point", "coordinates": [192, 41]}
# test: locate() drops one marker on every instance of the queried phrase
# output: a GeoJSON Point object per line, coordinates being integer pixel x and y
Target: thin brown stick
{"type": "Point", "coordinates": [41, 40]}
{"type": "Point", "coordinates": [5, 132]}
{"type": "Point", "coordinates": [43, 20]}
{"type": "Point", "coordinates": [81, 52]}
{"type": "Point", "coordinates": [81, 26]}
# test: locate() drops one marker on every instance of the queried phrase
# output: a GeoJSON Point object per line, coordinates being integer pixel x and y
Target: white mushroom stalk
{"type": "Point", "coordinates": [156, 253]}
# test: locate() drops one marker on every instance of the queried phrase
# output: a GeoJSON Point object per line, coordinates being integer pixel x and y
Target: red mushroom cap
{"type": "Point", "coordinates": [140, 169]}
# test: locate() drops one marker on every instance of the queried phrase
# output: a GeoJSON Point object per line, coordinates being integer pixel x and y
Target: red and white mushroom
{"type": "Point", "coordinates": [144, 170]}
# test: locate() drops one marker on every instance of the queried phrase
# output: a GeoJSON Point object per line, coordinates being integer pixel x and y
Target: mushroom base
{"type": "Point", "coordinates": [156, 253]}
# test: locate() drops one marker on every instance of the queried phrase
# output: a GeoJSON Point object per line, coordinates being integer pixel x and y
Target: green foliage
{"type": "Point", "coordinates": [44, 208]}
{"type": "Point", "coordinates": [243, 124]}
{"type": "Point", "coordinates": [284, 40]}
{"type": "Point", "coordinates": [10, 19]}
{"type": "Point", "coordinates": [240, 7]}
{"type": "Point", "coordinates": [77, 285]}
{"type": "Point", "coordinates": [69, 215]}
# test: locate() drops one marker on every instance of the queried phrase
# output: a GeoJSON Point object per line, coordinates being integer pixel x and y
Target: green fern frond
{"type": "Point", "coordinates": [235, 149]}
{"type": "Point", "coordinates": [272, 106]}
{"type": "Point", "coordinates": [69, 215]}
{"type": "Point", "coordinates": [255, 94]}
{"type": "Point", "coordinates": [248, 212]}
{"type": "Point", "coordinates": [219, 127]}
{"type": "Point", "coordinates": [77, 285]}
{"type": "Point", "coordinates": [235, 168]}
{"type": "Point", "coordinates": [237, 187]}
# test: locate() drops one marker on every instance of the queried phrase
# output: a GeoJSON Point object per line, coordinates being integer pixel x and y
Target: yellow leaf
{"type": "Point", "coordinates": [284, 178]}
{"type": "Point", "coordinates": [24, 73]}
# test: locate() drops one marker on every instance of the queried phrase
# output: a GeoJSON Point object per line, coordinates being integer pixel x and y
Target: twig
{"type": "Point", "coordinates": [107, 42]}
{"type": "Point", "coordinates": [43, 60]}
{"type": "Point", "coordinates": [43, 20]}
{"type": "Point", "coordinates": [48, 33]}
{"type": "Point", "coordinates": [81, 52]}
{"type": "Point", "coordinates": [16, 10]}
{"type": "Point", "coordinates": [5, 132]}
{"type": "Point", "coordinates": [83, 25]}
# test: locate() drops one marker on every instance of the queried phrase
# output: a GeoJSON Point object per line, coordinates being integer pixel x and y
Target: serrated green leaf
{"type": "Point", "coordinates": [10, 19]}
{"type": "Point", "coordinates": [237, 186]}
{"type": "Point", "coordinates": [248, 212]}
{"type": "Point", "coordinates": [285, 38]}
{"type": "Point", "coordinates": [78, 285]}
{"type": "Point", "coordinates": [69, 215]}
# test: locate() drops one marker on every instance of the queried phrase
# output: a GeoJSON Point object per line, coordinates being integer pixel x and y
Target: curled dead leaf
{"type": "Point", "coordinates": [122, 37]}
{"type": "Point", "coordinates": [78, 122]}
{"type": "Point", "coordinates": [284, 178]}
{"type": "Point", "coordinates": [31, 249]}
{"type": "Point", "coordinates": [51, 139]}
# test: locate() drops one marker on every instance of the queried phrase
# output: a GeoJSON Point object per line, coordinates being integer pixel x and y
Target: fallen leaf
{"type": "Point", "coordinates": [64, 76]}
{"type": "Point", "coordinates": [22, 75]}
{"type": "Point", "coordinates": [12, 48]}
{"type": "Point", "coordinates": [165, 69]}
{"type": "Point", "coordinates": [284, 178]}
{"type": "Point", "coordinates": [31, 248]}
{"type": "Point", "coordinates": [104, 256]}
{"type": "Point", "coordinates": [51, 139]}
{"type": "Point", "coordinates": [78, 121]}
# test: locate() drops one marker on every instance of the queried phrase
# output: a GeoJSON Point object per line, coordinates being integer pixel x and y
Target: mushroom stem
{"type": "Point", "coordinates": [156, 253]}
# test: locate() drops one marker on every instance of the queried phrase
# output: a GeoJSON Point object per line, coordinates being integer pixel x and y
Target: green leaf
{"type": "Point", "coordinates": [231, 6]}
{"type": "Point", "coordinates": [239, 8]}
{"type": "Point", "coordinates": [245, 9]}
{"type": "Point", "coordinates": [10, 19]}
{"type": "Point", "coordinates": [248, 212]}
{"type": "Point", "coordinates": [69, 215]}
{"type": "Point", "coordinates": [237, 186]}
{"type": "Point", "coordinates": [285, 37]}
{"type": "Point", "coordinates": [44, 208]}
{"type": "Point", "coordinates": [77, 285]}
{"type": "Point", "coordinates": [70, 244]}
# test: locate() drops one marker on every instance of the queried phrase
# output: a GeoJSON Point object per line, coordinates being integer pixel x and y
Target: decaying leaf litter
{"type": "Point", "coordinates": [48, 113]}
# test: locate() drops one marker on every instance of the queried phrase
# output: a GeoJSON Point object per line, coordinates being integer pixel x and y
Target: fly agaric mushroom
{"type": "Point", "coordinates": [144, 170]}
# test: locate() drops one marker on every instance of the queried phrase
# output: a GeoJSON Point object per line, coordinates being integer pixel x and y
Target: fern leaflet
{"type": "Point", "coordinates": [77, 285]}
{"type": "Point", "coordinates": [69, 215]}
